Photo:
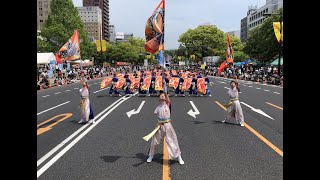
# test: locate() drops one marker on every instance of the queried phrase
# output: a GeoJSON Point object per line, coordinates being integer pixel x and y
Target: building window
{"type": "Point", "coordinates": [267, 10]}
{"type": "Point", "coordinates": [41, 20]}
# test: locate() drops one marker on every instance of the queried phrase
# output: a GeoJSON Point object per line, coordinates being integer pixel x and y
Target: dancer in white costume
{"type": "Point", "coordinates": [163, 113]}
{"type": "Point", "coordinates": [84, 103]}
{"type": "Point", "coordinates": [234, 110]}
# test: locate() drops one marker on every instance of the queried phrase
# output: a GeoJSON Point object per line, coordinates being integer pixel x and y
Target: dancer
{"type": "Point", "coordinates": [113, 88]}
{"type": "Point", "coordinates": [178, 89]}
{"type": "Point", "coordinates": [152, 85]}
{"type": "Point", "coordinates": [84, 103]}
{"type": "Point", "coordinates": [234, 110]}
{"type": "Point", "coordinates": [207, 82]}
{"type": "Point", "coordinates": [193, 87]}
{"type": "Point", "coordinates": [163, 113]}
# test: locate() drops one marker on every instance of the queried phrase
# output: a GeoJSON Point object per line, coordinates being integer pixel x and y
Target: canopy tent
{"type": "Point", "coordinates": [45, 58]}
{"type": "Point", "coordinates": [243, 63]}
{"type": "Point", "coordinates": [275, 62]}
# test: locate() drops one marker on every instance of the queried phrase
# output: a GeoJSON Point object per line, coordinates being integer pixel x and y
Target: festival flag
{"type": "Point", "coordinates": [70, 50]}
{"type": "Point", "coordinates": [186, 84]}
{"type": "Point", "coordinates": [277, 31]}
{"type": "Point", "coordinates": [201, 85]}
{"type": "Point", "coordinates": [229, 56]}
{"type": "Point", "coordinates": [105, 82]}
{"type": "Point", "coordinates": [159, 83]}
{"type": "Point", "coordinates": [146, 83]}
{"type": "Point", "coordinates": [229, 52]}
{"type": "Point", "coordinates": [154, 30]}
{"type": "Point", "coordinates": [174, 82]}
{"type": "Point", "coordinates": [120, 83]}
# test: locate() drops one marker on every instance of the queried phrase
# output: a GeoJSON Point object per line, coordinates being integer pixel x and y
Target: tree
{"type": "Point", "coordinates": [209, 41]}
{"type": "Point", "coordinates": [62, 21]}
{"type": "Point", "coordinates": [240, 56]}
{"type": "Point", "coordinates": [132, 51]}
{"type": "Point", "coordinates": [262, 43]}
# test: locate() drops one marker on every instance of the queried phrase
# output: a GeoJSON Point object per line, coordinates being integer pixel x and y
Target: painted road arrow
{"type": "Point", "coordinates": [211, 83]}
{"type": "Point", "coordinates": [133, 111]}
{"type": "Point", "coordinates": [257, 110]}
{"type": "Point", "coordinates": [193, 113]}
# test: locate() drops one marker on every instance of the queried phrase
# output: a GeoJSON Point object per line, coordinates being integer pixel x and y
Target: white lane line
{"type": "Point", "coordinates": [69, 146]}
{"type": "Point", "coordinates": [221, 82]}
{"type": "Point", "coordinates": [46, 96]}
{"type": "Point", "coordinates": [45, 157]}
{"type": "Point", "coordinates": [68, 90]}
{"type": "Point", "coordinates": [266, 90]}
{"type": "Point", "coordinates": [249, 86]}
{"type": "Point", "coordinates": [276, 92]}
{"type": "Point", "coordinates": [258, 88]}
{"type": "Point", "coordinates": [53, 107]}
{"type": "Point", "coordinates": [244, 85]}
{"type": "Point", "coordinates": [226, 88]}
{"type": "Point", "coordinates": [57, 93]}
{"type": "Point", "coordinates": [101, 90]}
{"type": "Point", "coordinates": [75, 88]}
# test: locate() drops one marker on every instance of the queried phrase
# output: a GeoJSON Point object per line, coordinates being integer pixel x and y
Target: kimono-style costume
{"type": "Point", "coordinates": [234, 110]}
{"type": "Point", "coordinates": [178, 89]}
{"type": "Point", "coordinates": [152, 85]}
{"type": "Point", "coordinates": [84, 105]}
{"type": "Point", "coordinates": [163, 113]}
{"type": "Point", "coordinates": [193, 87]}
{"type": "Point", "coordinates": [114, 81]}
{"type": "Point", "coordinates": [128, 85]}
{"type": "Point", "coordinates": [207, 82]}
{"type": "Point", "coordinates": [141, 84]}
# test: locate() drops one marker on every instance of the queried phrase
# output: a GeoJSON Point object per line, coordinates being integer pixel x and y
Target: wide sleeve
{"type": "Point", "coordinates": [156, 111]}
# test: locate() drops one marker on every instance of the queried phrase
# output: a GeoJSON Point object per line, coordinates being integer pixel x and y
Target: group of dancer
{"type": "Point", "coordinates": [152, 82]}
{"type": "Point", "coordinates": [164, 127]}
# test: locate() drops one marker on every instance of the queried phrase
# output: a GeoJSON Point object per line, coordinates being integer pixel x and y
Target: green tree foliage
{"type": "Point", "coordinates": [209, 41]}
{"type": "Point", "coordinates": [262, 43]}
{"type": "Point", "coordinates": [62, 21]}
{"type": "Point", "coordinates": [132, 51]}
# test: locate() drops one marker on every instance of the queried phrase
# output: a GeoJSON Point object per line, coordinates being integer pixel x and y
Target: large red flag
{"type": "Point", "coordinates": [70, 50]}
{"type": "Point", "coordinates": [154, 31]}
{"type": "Point", "coordinates": [229, 56]}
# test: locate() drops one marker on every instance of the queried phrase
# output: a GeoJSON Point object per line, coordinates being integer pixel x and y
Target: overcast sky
{"type": "Point", "coordinates": [130, 16]}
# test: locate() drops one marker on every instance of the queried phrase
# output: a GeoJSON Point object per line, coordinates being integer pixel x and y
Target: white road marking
{"type": "Point", "coordinates": [276, 92]}
{"type": "Point", "coordinates": [53, 107]}
{"type": "Point", "coordinates": [266, 90]}
{"type": "Point", "coordinates": [249, 86]}
{"type": "Point", "coordinates": [221, 82]}
{"type": "Point", "coordinates": [45, 157]}
{"type": "Point", "coordinates": [101, 90]}
{"type": "Point", "coordinates": [226, 88]}
{"type": "Point", "coordinates": [258, 88]}
{"type": "Point", "coordinates": [68, 90]}
{"type": "Point", "coordinates": [257, 110]}
{"type": "Point", "coordinates": [46, 96]}
{"type": "Point", "coordinates": [95, 83]}
{"type": "Point", "coordinates": [69, 146]}
{"type": "Point", "coordinates": [133, 111]}
{"type": "Point", "coordinates": [57, 93]}
{"type": "Point", "coordinates": [75, 88]}
{"type": "Point", "coordinates": [195, 112]}
{"type": "Point", "coordinates": [244, 85]}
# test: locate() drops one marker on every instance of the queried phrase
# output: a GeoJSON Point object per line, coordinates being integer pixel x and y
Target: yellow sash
{"type": "Point", "coordinates": [231, 102]}
{"type": "Point", "coordinates": [150, 135]}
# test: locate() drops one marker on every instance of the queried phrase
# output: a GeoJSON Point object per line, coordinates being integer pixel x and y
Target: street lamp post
{"type": "Point", "coordinates": [280, 42]}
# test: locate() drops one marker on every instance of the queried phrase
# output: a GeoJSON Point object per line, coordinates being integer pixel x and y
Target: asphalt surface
{"type": "Point", "coordinates": [113, 147]}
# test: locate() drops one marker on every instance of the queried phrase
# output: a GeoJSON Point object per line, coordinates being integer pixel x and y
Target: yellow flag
{"type": "Point", "coordinates": [98, 45]}
{"type": "Point", "coordinates": [276, 28]}
{"type": "Point", "coordinates": [104, 45]}
{"type": "Point", "coordinates": [203, 66]}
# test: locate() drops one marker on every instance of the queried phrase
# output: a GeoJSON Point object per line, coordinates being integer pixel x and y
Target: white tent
{"type": "Point", "coordinates": [45, 58]}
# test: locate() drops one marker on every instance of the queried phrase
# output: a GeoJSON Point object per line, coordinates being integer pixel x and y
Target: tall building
{"type": "Point", "coordinates": [91, 17]}
{"type": "Point", "coordinates": [43, 9]}
{"type": "Point", "coordinates": [104, 6]}
{"type": "Point", "coordinates": [255, 16]}
{"type": "Point", "coordinates": [234, 33]}
{"type": "Point", "coordinates": [112, 32]}
{"type": "Point", "coordinates": [243, 30]}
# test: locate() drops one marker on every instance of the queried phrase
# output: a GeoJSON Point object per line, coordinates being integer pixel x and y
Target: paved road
{"type": "Point", "coordinates": [113, 147]}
